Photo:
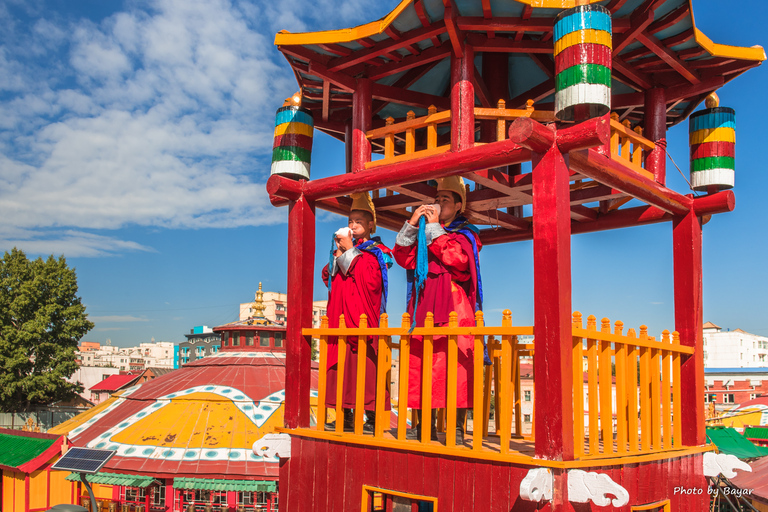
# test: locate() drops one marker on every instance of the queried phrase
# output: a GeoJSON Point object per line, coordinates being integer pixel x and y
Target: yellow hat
{"type": "Point", "coordinates": [362, 201]}
{"type": "Point", "coordinates": [454, 184]}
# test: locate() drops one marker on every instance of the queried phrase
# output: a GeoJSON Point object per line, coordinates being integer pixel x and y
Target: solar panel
{"type": "Point", "coordinates": [83, 460]}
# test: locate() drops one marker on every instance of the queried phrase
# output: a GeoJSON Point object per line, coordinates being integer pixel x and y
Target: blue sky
{"type": "Point", "coordinates": [135, 140]}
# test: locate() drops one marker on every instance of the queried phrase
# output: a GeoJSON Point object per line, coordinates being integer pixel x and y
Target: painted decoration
{"type": "Point", "coordinates": [598, 488]}
{"type": "Point", "coordinates": [712, 137]}
{"type": "Point", "coordinates": [717, 463]}
{"type": "Point", "coordinates": [273, 446]}
{"type": "Point", "coordinates": [292, 150]}
{"type": "Point", "coordinates": [582, 63]}
{"type": "Point", "coordinates": [537, 485]}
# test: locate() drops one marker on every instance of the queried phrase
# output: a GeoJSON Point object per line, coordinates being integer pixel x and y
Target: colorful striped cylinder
{"type": "Point", "coordinates": [582, 63]}
{"type": "Point", "coordinates": [712, 137]}
{"type": "Point", "coordinates": [292, 150]}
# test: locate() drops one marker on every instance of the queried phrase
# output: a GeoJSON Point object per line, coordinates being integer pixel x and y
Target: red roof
{"type": "Point", "coordinates": [757, 480]}
{"type": "Point", "coordinates": [114, 382]}
{"type": "Point", "coordinates": [760, 400]}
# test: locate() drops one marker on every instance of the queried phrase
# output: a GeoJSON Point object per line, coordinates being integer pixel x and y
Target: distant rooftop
{"type": "Point", "coordinates": [710, 325]}
{"type": "Point", "coordinates": [763, 369]}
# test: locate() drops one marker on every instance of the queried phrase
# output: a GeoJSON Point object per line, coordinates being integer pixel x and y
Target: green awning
{"type": "Point", "coordinates": [215, 484]}
{"type": "Point", "coordinates": [756, 432]}
{"type": "Point", "coordinates": [731, 442]}
{"type": "Point", "coordinates": [115, 479]}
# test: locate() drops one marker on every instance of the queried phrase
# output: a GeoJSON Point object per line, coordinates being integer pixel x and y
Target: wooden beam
{"type": "Point", "coordinates": [669, 57]}
{"type": "Point", "coordinates": [341, 80]}
{"type": "Point", "coordinates": [411, 98]}
{"type": "Point", "coordinates": [614, 174]}
{"type": "Point", "coordinates": [498, 219]}
{"type": "Point", "coordinates": [481, 90]}
{"type": "Point", "coordinates": [494, 154]}
{"type": "Point", "coordinates": [455, 34]}
{"type": "Point", "coordinates": [482, 43]}
{"type": "Point", "coordinates": [504, 24]}
{"type": "Point", "coordinates": [615, 5]}
{"type": "Point", "coordinates": [434, 54]}
{"type": "Point", "coordinates": [581, 213]}
{"type": "Point", "coordinates": [639, 20]}
{"type": "Point", "coordinates": [537, 93]}
{"type": "Point", "coordinates": [387, 46]}
{"type": "Point", "coordinates": [326, 99]}
{"type": "Point", "coordinates": [638, 77]}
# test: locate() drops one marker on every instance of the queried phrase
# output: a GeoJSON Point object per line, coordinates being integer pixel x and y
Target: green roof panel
{"type": "Point", "coordinates": [115, 479]}
{"type": "Point", "coordinates": [216, 484]}
{"type": "Point", "coordinates": [16, 450]}
{"type": "Point", "coordinates": [731, 442]}
{"type": "Point", "coordinates": [756, 432]}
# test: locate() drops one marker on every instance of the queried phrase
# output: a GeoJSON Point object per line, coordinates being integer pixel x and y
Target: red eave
{"type": "Point", "coordinates": [113, 382]}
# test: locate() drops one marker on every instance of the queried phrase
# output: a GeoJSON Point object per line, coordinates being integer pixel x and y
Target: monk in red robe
{"type": "Point", "coordinates": [356, 278]}
{"type": "Point", "coordinates": [452, 284]}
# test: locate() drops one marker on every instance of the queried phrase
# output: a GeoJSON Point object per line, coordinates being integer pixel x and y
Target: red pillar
{"type": "Point", "coordinates": [686, 240]}
{"type": "Point", "coordinates": [348, 146]}
{"type": "Point", "coordinates": [655, 129]}
{"type": "Point", "coordinates": [361, 123]}
{"type": "Point", "coordinates": [552, 303]}
{"type": "Point", "coordinates": [301, 259]}
{"type": "Point", "coordinates": [462, 100]}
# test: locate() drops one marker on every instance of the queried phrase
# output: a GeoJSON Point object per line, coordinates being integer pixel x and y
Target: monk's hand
{"type": "Point", "coordinates": [418, 212]}
{"type": "Point", "coordinates": [432, 213]}
{"type": "Point", "coordinates": [344, 243]}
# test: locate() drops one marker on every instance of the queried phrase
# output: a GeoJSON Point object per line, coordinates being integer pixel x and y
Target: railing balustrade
{"type": "Point", "coordinates": [626, 388]}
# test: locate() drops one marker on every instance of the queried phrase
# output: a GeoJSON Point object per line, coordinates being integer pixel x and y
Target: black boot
{"type": "Point", "coordinates": [349, 422]}
{"type": "Point", "coordinates": [369, 427]}
{"type": "Point", "coordinates": [415, 433]}
{"type": "Point", "coordinates": [461, 415]}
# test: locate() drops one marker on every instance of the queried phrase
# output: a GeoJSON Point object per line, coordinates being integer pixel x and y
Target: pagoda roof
{"type": "Point", "coordinates": [198, 421]}
{"type": "Point", "coordinates": [407, 56]}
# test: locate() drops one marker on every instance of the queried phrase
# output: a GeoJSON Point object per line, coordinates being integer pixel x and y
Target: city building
{"type": "Point", "coordinates": [728, 387]}
{"type": "Point", "coordinates": [201, 342]}
{"type": "Point", "coordinates": [154, 354]}
{"type": "Point", "coordinates": [275, 307]}
{"type": "Point", "coordinates": [733, 349]}
{"type": "Point", "coordinates": [104, 389]}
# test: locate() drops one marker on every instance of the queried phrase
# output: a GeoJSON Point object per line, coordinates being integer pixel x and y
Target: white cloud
{"type": "Point", "coordinates": [158, 115]}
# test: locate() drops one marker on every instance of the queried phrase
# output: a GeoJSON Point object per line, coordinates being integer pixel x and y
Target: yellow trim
{"type": "Point", "coordinates": [343, 35]}
{"type": "Point", "coordinates": [723, 50]}
{"type": "Point", "coordinates": [436, 448]}
{"type": "Point", "coordinates": [297, 128]}
{"type": "Point", "coordinates": [368, 489]}
{"type": "Point", "coordinates": [554, 4]}
{"type": "Point", "coordinates": [584, 37]}
{"type": "Point", "coordinates": [722, 134]}
{"type": "Point", "coordinates": [664, 505]}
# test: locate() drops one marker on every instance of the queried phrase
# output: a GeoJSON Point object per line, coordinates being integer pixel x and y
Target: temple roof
{"type": "Point", "coordinates": [407, 56]}
{"type": "Point", "coordinates": [200, 420]}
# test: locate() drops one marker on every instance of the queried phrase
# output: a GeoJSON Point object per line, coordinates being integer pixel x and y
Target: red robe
{"type": "Point", "coordinates": [451, 285]}
{"type": "Point", "coordinates": [358, 291]}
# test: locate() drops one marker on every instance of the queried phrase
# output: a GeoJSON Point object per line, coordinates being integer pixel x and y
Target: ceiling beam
{"type": "Point", "coordinates": [482, 43]}
{"type": "Point", "coordinates": [669, 57]}
{"type": "Point", "coordinates": [413, 61]}
{"type": "Point", "coordinates": [386, 46]}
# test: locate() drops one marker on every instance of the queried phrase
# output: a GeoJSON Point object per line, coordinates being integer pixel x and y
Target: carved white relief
{"type": "Point", "coordinates": [273, 446]}
{"type": "Point", "coordinates": [537, 485]}
{"type": "Point", "coordinates": [716, 463]}
{"type": "Point", "coordinates": [583, 486]}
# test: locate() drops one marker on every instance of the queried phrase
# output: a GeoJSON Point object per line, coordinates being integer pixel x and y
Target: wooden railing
{"type": "Point", "coordinates": [406, 131]}
{"type": "Point", "coordinates": [628, 146]}
{"type": "Point", "coordinates": [504, 373]}
{"type": "Point", "coordinates": [638, 414]}
{"type": "Point", "coordinates": [641, 413]}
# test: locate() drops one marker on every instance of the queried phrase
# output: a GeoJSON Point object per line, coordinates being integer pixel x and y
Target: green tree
{"type": "Point", "coordinates": [41, 322]}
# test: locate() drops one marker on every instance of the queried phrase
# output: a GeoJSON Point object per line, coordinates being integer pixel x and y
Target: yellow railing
{"type": "Point", "coordinates": [504, 373]}
{"type": "Point", "coordinates": [406, 131]}
{"type": "Point", "coordinates": [628, 145]}
{"type": "Point", "coordinates": [641, 413]}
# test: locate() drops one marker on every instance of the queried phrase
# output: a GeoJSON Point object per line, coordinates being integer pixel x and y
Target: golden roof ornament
{"type": "Point", "coordinates": [258, 307]}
